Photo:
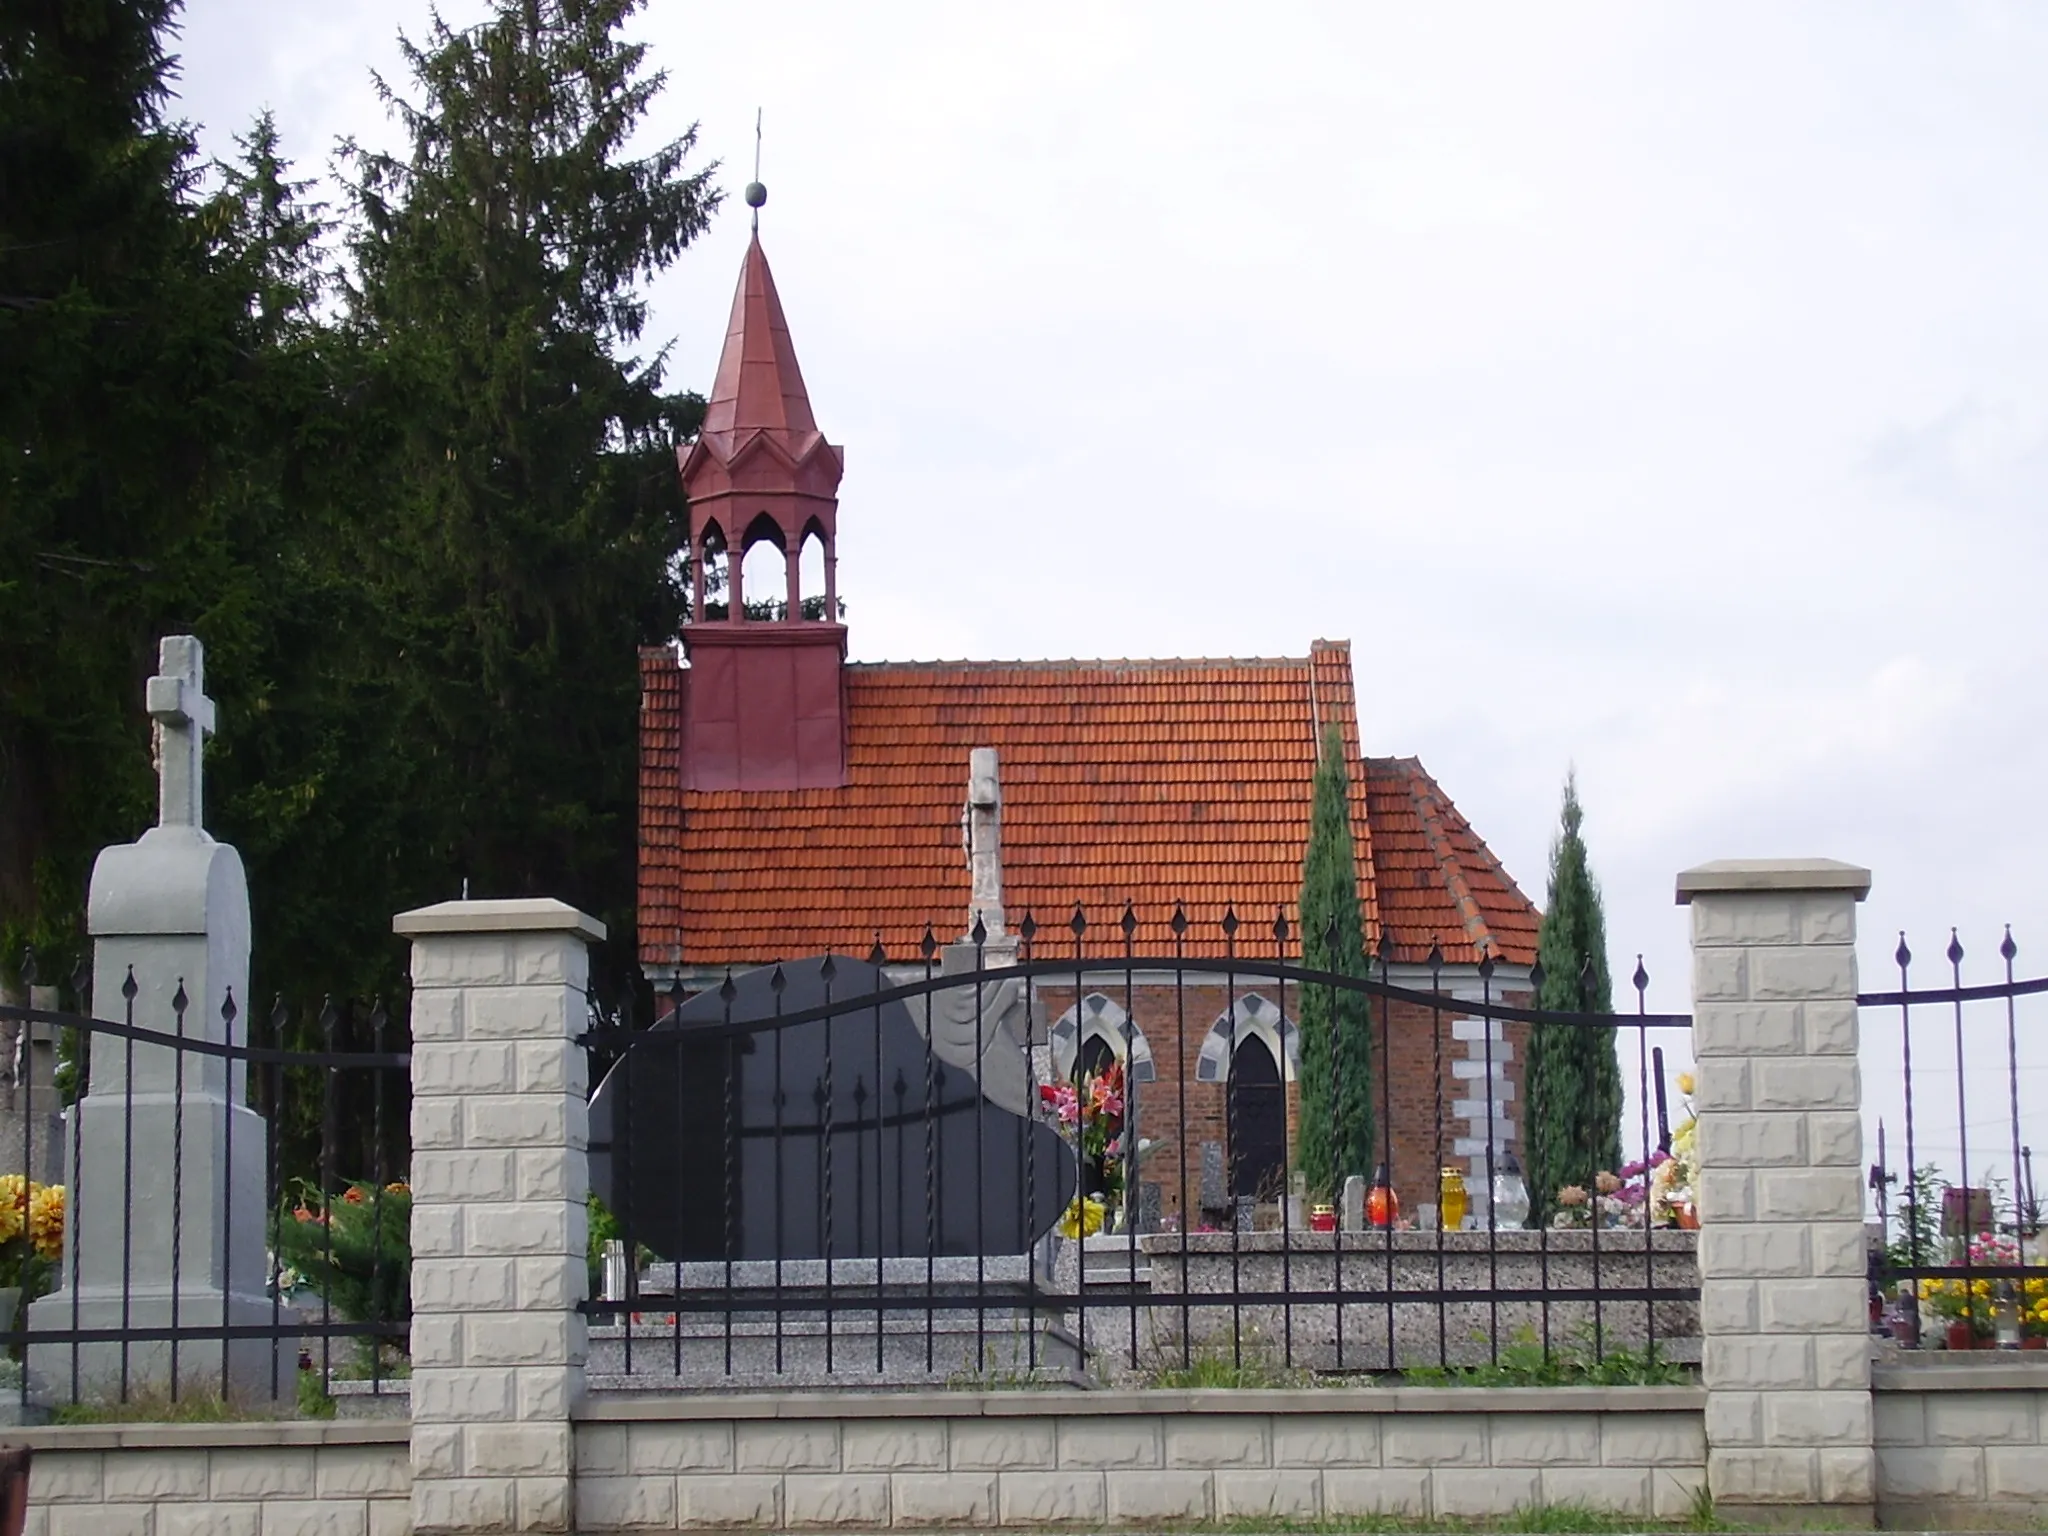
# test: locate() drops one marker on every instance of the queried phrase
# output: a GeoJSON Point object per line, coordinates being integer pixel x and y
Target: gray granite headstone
{"type": "Point", "coordinates": [1213, 1196]}
{"type": "Point", "coordinates": [721, 1135]}
{"type": "Point", "coordinates": [1353, 1214]}
{"type": "Point", "coordinates": [31, 1118]}
{"type": "Point", "coordinates": [1151, 1204]}
{"type": "Point", "coordinates": [170, 909]}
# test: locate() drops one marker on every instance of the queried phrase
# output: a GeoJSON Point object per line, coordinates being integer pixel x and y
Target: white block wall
{"type": "Point", "coordinates": [1122, 1459]}
{"type": "Point", "coordinates": [500, 1128]}
{"type": "Point", "coordinates": [1783, 1289]}
{"type": "Point", "coordinates": [1962, 1442]}
{"type": "Point", "coordinates": [255, 1479]}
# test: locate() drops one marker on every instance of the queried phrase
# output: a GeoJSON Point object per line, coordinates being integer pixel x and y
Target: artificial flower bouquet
{"type": "Point", "coordinates": [1656, 1191]}
{"type": "Point", "coordinates": [31, 1235]}
{"type": "Point", "coordinates": [1090, 1109]}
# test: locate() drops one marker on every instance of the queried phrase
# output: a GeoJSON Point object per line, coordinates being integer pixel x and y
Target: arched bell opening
{"type": "Point", "coordinates": [767, 574]}
{"type": "Point", "coordinates": [710, 570]}
{"type": "Point", "coordinates": [815, 581]}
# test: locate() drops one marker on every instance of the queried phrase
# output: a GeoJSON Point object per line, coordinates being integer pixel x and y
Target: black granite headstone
{"type": "Point", "coordinates": [842, 1137]}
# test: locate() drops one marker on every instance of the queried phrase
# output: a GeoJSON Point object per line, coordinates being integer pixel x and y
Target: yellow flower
{"type": "Point", "coordinates": [46, 1220]}
{"type": "Point", "coordinates": [1083, 1218]}
{"type": "Point", "coordinates": [13, 1206]}
{"type": "Point", "coordinates": [1685, 1083]}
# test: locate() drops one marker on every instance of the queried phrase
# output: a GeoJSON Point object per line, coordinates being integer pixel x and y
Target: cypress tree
{"type": "Point", "coordinates": [1336, 1137]}
{"type": "Point", "coordinates": [1573, 1077]}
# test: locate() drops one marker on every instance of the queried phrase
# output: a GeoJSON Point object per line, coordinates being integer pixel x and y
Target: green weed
{"type": "Point", "coordinates": [1524, 1362]}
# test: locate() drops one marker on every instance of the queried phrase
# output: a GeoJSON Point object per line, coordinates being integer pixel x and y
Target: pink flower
{"type": "Point", "coordinates": [1062, 1101]}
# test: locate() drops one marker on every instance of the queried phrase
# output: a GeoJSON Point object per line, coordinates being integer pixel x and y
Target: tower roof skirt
{"type": "Point", "coordinates": [759, 386]}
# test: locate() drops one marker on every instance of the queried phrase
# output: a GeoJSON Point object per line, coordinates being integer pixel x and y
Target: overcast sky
{"type": "Point", "coordinates": [1657, 389]}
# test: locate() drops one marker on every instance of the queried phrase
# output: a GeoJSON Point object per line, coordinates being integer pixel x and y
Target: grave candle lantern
{"type": "Point", "coordinates": [1382, 1208]}
{"type": "Point", "coordinates": [1510, 1194]}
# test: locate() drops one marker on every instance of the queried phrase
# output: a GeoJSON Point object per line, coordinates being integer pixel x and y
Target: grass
{"type": "Point", "coordinates": [1214, 1371]}
{"type": "Point", "coordinates": [1524, 1362]}
{"type": "Point", "coordinates": [155, 1406]}
{"type": "Point", "coordinates": [1527, 1520]}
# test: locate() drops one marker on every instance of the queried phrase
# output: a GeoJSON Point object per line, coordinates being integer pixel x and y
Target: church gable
{"type": "Point", "coordinates": [1153, 782]}
{"type": "Point", "coordinates": [792, 803]}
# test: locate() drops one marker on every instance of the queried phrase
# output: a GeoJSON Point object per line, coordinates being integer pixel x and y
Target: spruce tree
{"type": "Point", "coordinates": [1572, 1120]}
{"type": "Point", "coordinates": [119, 336]}
{"type": "Point", "coordinates": [531, 509]}
{"type": "Point", "coordinates": [1336, 1137]}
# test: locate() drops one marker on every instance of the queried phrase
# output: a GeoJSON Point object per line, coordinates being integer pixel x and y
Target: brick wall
{"type": "Point", "coordinates": [1419, 1094]}
{"type": "Point", "coordinates": [1044, 1458]}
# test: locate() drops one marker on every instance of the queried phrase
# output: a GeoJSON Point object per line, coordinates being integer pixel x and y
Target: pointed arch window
{"type": "Point", "coordinates": [1095, 1032]}
{"type": "Point", "coordinates": [1251, 1017]}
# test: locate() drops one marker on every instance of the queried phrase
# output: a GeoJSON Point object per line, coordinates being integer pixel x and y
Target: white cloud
{"type": "Point", "coordinates": [1664, 391]}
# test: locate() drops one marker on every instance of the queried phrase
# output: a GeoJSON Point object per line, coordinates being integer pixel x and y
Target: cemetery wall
{"type": "Point", "coordinates": [1043, 1458]}
{"type": "Point", "coordinates": [1961, 1442]}
{"type": "Point", "coordinates": [338, 1478]}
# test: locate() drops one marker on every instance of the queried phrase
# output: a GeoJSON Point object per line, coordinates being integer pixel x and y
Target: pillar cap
{"type": "Point", "coordinates": [533, 914]}
{"type": "Point", "coordinates": [1746, 876]}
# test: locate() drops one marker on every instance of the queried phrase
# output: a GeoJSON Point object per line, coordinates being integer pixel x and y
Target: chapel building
{"type": "Point", "coordinates": [793, 803]}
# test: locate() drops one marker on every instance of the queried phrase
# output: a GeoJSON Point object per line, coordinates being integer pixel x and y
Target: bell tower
{"type": "Point", "coordinates": [764, 700]}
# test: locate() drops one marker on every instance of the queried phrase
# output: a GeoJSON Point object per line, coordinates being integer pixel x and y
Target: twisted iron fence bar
{"type": "Point", "coordinates": [179, 1332]}
{"type": "Point", "coordinates": [1233, 970]}
{"type": "Point", "coordinates": [1957, 1221]}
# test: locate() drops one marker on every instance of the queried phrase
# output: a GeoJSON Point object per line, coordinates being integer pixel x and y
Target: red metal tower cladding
{"type": "Point", "coordinates": [764, 700]}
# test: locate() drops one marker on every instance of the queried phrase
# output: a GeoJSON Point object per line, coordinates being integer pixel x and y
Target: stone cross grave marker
{"type": "Point", "coordinates": [172, 910]}
{"type": "Point", "coordinates": [981, 833]}
{"type": "Point", "coordinates": [177, 702]}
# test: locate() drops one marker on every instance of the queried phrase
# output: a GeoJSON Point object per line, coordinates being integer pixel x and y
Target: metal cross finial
{"type": "Point", "coordinates": [756, 193]}
{"type": "Point", "coordinates": [177, 702]}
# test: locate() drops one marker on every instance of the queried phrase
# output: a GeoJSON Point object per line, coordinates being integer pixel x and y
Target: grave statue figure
{"type": "Point", "coordinates": [983, 1021]}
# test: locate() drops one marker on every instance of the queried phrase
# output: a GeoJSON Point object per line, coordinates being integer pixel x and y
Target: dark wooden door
{"type": "Point", "coordinates": [1258, 1121]}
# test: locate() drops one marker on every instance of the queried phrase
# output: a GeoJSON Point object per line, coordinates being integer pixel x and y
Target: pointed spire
{"type": "Point", "coordinates": [759, 386]}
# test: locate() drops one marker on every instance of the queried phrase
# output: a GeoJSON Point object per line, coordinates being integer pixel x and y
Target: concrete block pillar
{"type": "Point", "coordinates": [1783, 1287]}
{"type": "Point", "coordinates": [500, 1128]}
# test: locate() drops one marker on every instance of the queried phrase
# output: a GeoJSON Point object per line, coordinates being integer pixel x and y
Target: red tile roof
{"type": "Point", "coordinates": [1437, 880]}
{"type": "Point", "coordinates": [1152, 782]}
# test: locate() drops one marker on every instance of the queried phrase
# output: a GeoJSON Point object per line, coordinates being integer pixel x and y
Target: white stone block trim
{"type": "Point", "coordinates": [203, 1478]}
{"type": "Point", "coordinates": [1785, 1349]}
{"type": "Point", "coordinates": [500, 1184]}
{"type": "Point", "coordinates": [915, 1460]}
{"type": "Point", "coordinates": [1961, 1442]}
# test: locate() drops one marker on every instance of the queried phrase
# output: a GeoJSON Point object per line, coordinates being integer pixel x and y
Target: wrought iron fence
{"type": "Point", "coordinates": [1962, 1262]}
{"type": "Point", "coordinates": [893, 1169]}
{"type": "Point", "coordinates": [154, 1242]}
